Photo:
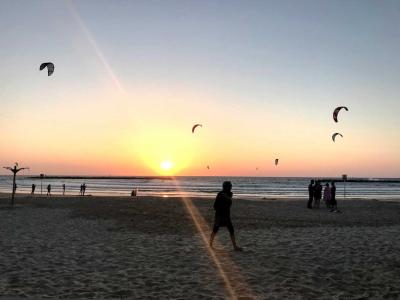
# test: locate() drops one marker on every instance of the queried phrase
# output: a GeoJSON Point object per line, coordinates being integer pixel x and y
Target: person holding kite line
{"type": "Point", "coordinates": [222, 207]}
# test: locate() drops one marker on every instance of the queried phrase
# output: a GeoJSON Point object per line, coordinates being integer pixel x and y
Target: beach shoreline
{"type": "Point", "coordinates": [154, 247]}
{"type": "Point", "coordinates": [203, 187]}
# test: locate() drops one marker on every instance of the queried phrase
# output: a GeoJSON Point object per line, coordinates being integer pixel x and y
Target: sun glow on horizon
{"type": "Point", "coordinates": [166, 165]}
{"type": "Point", "coordinates": [163, 152]}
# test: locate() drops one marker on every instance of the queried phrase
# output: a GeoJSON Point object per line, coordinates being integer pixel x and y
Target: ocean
{"type": "Point", "coordinates": [204, 186]}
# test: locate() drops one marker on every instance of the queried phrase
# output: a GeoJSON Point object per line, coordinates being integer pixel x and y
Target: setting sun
{"type": "Point", "coordinates": [166, 165]}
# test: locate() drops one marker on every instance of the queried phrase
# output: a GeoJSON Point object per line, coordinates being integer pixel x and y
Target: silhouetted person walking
{"type": "Point", "coordinates": [49, 190]}
{"type": "Point", "coordinates": [222, 207]}
{"type": "Point", "coordinates": [33, 188]}
{"type": "Point", "coordinates": [310, 194]}
{"type": "Point", "coordinates": [63, 187]}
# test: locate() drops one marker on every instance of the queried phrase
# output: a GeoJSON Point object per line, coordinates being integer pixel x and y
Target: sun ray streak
{"type": "Point", "coordinates": [200, 223]}
{"type": "Point", "coordinates": [190, 208]}
{"type": "Point", "coordinates": [95, 46]}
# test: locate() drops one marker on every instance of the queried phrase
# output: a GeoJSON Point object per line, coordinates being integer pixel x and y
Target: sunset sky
{"type": "Point", "coordinates": [263, 77]}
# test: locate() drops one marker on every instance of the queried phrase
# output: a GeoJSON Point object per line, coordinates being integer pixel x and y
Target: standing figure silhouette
{"type": "Point", "coordinates": [222, 207]}
{"type": "Point", "coordinates": [49, 190]}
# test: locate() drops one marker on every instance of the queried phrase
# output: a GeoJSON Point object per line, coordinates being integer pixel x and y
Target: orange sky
{"type": "Point", "coordinates": [129, 137]}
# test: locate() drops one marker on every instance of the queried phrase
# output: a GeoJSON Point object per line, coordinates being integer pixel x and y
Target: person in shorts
{"type": "Point", "coordinates": [222, 207]}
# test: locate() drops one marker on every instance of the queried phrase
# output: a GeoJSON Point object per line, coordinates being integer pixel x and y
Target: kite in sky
{"type": "Point", "coordinates": [336, 112]}
{"type": "Point", "coordinates": [49, 66]}
{"type": "Point", "coordinates": [195, 126]}
{"type": "Point", "coordinates": [335, 134]}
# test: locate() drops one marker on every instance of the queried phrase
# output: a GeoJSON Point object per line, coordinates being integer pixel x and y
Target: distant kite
{"type": "Point", "coordinates": [257, 169]}
{"type": "Point", "coordinates": [334, 136]}
{"type": "Point", "coordinates": [336, 112]}
{"type": "Point", "coordinates": [195, 126]}
{"type": "Point", "coordinates": [50, 67]}
{"type": "Point", "coordinates": [208, 167]}
{"type": "Point", "coordinates": [276, 161]}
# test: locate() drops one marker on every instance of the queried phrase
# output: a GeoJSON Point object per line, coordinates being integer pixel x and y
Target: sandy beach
{"type": "Point", "coordinates": [155, 248]}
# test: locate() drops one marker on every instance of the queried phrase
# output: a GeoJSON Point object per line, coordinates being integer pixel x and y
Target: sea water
{"type": "Point", "coordinates": [204, 186]}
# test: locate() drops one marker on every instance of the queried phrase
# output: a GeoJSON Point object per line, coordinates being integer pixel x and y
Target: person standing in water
{"type": "Point", "coordinates": [33, 188]}
{"type": "Point", "coordinates": [49, 190]}
{"type": "Point", "coordinates": [63, 187]}
{"type": "Point", "coordinates": [222, 207]}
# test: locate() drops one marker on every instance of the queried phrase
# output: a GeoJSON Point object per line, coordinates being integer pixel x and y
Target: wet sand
{"type": "Point", "coordinates": [154, 248]}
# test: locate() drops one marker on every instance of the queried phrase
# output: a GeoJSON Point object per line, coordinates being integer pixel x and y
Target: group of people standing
{"type": "Point", "coordinates": [328, 196]}
{"type": "Point", "coordinates": [82, 189]}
